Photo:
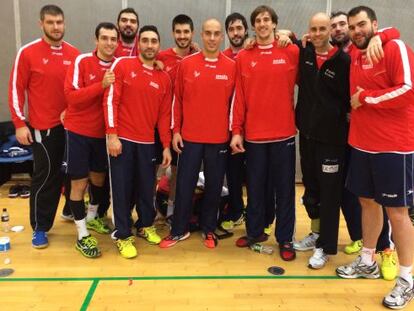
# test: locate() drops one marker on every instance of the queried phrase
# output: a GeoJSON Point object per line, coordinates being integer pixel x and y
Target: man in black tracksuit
{"type": "Point", "coordinates": [321, 117]}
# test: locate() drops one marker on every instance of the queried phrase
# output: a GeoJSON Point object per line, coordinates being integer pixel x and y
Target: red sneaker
{"type": "Point", "coordinates": [171, 240]}
{"type": "Point", "coordinates": [245, 241]}
{"type": "Point", "coordinates": [287, 252]}
{"type": "Point", "coordinates": [210, 240]}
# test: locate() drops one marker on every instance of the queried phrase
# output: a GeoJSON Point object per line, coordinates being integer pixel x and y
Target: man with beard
{"type": "Point", "coordinates": [128, 25]}
{"type": "Point", "coordinates": [203, 88]}
{"type": "Point", "coordinates": [236, 29]}
{"type": "Point", "coordinates": [39, 69]}
{"type": "Point", "coordinates": [138, 101]}
{"type": "Point", "coordinates": [182, 31]}
{"type": "Point", "coordinates": [86, 157]}
{"type": "Point", "coordinates": [381, 165]}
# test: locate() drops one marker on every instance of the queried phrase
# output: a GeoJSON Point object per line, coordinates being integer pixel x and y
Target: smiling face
{"type": "Point", "coordinates": [361, 29]}
{"type": "Point", "coordinates": [264, 27]}
{"type": "Point", "coordinates": [212, 36]}
{"type": "Point", "coordinates": [183, 35]}
{"type": "Point", "coordinates": [53, 27]}
{"type": "Point", "coordinates": [106, 43]}
{"type": "Point", "coordinates": [319, 31]}
{"type": "Point", "coordinates": [149, 45]}
{"type": "Point", "coordinates": [236, 33]}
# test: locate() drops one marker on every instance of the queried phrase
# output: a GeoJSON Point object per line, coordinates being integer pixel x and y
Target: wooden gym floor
{"type": "Point", "coordinates": [185, 277]}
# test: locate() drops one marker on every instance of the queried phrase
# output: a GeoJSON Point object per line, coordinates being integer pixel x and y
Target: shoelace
{"type": "Point", "coordinates": [150, 230]}
{"type": "Point", "coordinates": [125, 243]}
{"type": "Point", "coordinates": [399, 288]}
{"type": "Point", "coordinates": [91, 242]}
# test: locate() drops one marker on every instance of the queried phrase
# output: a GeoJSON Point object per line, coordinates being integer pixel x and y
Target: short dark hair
{"type": "Point", "coordinates": [338, 13]}
{"type": "Point", "coordinates": [358, 9]}
{"type": "Point", "coordinates": [128, 10]}
{"type": "Point", "coordinates": [105, 25]}
{"type": "Point", "coordinates": [262, 9]}
{"type": "Point", "coordinates": [50, 9]}
{"type": "Point", "coordinates": [149, 28]}
{"type": "Point", "coordinates": [182, 19]}
{"type": "Point", "coordinates": [234, 17]}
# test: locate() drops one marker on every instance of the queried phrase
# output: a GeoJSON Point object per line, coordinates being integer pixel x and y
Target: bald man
{"type": "Point", "coordinates": [203, 89]}
{"type": "Point", "coordinates": [321, 117]}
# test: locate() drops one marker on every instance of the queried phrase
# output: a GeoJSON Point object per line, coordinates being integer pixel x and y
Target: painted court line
{"type": "Point", "coordinates": [89, 295]}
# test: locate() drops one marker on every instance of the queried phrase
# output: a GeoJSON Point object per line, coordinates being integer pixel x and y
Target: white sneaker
{"type": "Point", "coordinates": [318, 259]}
{"type": "Point", "coordinates": [308, 243]}
{"type": "Point", "coordinates": [400, 296]}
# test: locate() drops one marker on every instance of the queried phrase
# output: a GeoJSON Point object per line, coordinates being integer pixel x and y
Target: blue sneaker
{"type": "Point", "coordinates": [39, 239]}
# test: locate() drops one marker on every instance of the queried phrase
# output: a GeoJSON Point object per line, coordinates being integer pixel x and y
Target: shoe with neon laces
{"type": "Point", "coordinates": [171, 240]}
{"type": "Point", "coordinates": [353, 247]}
{"type": "Point", "coordinates": [230, 224]}
{"type": "Point", "coordinates": [98, 225]}
{"type": "Point", "coordinates": [286, 251]}
{"type": "Point", "coordinates": [400, 296]}
{"type": "Point", "coordinates": [318, 259]}
{"type": "Point", "coordinates": [88, 247]}
{"type": "Point", "coordinates": [210, 240]}
{"type": "Point", "coordinates": [307, 243]}
{"type": "Point", "coordinates": [126, 247]}
{"type": "Point", "coordinates": [357, 269]}
{"type": "Point", "coordinates": [39, 239]}
{"type": "Point", "coordinates": [268, 230]}
{"type": "Point", "coordinates": [150, 234]}
{"type": "Point", "coordinates": [389, 264]}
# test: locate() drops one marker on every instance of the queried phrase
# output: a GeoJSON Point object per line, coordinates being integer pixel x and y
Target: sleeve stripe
{"type": "Point", "coordinates": [172, 112]}
{"type": "Point", "coordinates": [75, 80]}
{"type": "Point", "coordinates": [110, 98]}
{"type": "Point", "coordinates": [232, 110]}
{"type": "Point", "coordinates": [15, 96]}
{"type": "Point", "coordinates": [407, 79]}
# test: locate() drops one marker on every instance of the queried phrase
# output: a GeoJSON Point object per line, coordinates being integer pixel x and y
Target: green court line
{"type": "Point", "coordinates": [174, 278]}
{"type": "Point", "coordinates": [89, 295]}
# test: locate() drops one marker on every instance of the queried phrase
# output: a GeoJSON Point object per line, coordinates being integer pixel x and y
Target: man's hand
{"type": "Point", "coordinates": [283, 40]}
{"type": "Point", "coordinates": [355, 103]}
{"type": "Point", "coordinates": [108, 78]}
{"type": "Point", "coordinates": [166, 158]}
{"type": "Point", "coordinates": [305, 39]}
{"type": "Point", "coordinates": [194, 47]}
{"type": "Point", "coordinates": [159, 65]}
{"type": "Point", "coordinates": [249, 43]}
{"type": "Point", "coordinates": [114, 145]}
{"type": "Point", "coordinates": [24, 136]}
{"type": "Point", "coordinates": [236, 144]}
{"type": "Point", "coordinates": [62, 116]}
{"type": "Point", "coordinates": [177, 143]}
{"type": "Point", "coordinates": [374, 50]}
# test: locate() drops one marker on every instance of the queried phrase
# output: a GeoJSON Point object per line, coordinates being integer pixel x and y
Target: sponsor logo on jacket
{"type": "Point", "coordinates": [279, 61]}
{"type": "Point", "coordinates": [222, 77]}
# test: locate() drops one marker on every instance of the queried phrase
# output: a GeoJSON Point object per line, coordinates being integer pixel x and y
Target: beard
{"type": "Point", "coordinates": [53, 38]}
{"type": "Point", "coordinates": [182, 45]}
{"type": "Point", "coordinates": [128, 35]}
{"type": "Point", "coordinates": [148, 56]}
{"type": "Point", "coordinates": [239, 42]}
{"type": "Point", "coordinates": [343, 41]}
{"type": "Point", "coordinates": [364, 44]}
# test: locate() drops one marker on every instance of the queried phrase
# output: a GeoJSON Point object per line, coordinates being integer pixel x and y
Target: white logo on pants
{"type": "Point", "coordinates": [330, 168]}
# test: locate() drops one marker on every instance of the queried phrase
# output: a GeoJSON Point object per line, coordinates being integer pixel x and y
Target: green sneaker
{"type": "Point", "coordinates": [127, 248]}
{"type": "Point", "coordinates": [389, 264]}
{"type": "Point", "coordinates": [150, 234]}
{"type": "Point", "coordinates": [98, 225]}
{"type": "Point", "coordinates": [230, 224]}
{"type": "Point", "coordinates": [353, 247]}
{"type": "Point", "coordinates": [268, 230]}
{"type": "Point", "coordinates": [88, 247]}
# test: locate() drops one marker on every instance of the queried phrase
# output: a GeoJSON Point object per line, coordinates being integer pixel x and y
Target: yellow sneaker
{"type": "Point", "coordinates": [389, 264]}
{"type": "Point", "coordinates": [150, 234]}
{"type": "Point", "coordinates": [268, 230]}
{"type": "Point", "coordinates": [353, 247]}
{"type": "Point", "coordinates": [126, 247]}
{"type": "Point", "coordinates": [227, 225]}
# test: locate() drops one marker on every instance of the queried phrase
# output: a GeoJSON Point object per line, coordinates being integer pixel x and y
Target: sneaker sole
{"type": "Point", "coordinates": [86, 255]}
{"type": "Point", "coordinates": [395, 307]}
{"type": "Point", "coordinates": [304, 249]}
{"type": "Point", "coordinates": [40, 246]}
{"type": "Point", "coordinates": [358, 276]}
{"type": "Point", "coordinates": [185, 237]}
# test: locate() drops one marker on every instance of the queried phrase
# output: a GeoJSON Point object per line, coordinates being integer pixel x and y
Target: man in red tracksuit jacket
{"type": "Point", "coordinates": [138, 101]}
{"type": "Point", "coordinates": [39, 70]}
{"type": "Point", "coordinates": [203, 88]}
{"type": "Point", "coordinates": [128, 25]}
{"type": "Point", "coordinates": [85, 156]}
{"type": "Point", "coordinates": [262, 114]}
{"type": "Point", "coordinates": [382, 155]}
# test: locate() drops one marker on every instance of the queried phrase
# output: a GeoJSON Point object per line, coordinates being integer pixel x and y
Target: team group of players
{"type": "Point", "coordinates": [113, 114]}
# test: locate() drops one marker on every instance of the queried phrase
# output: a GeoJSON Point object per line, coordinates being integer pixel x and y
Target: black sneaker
{"type": "Point", "coordinates": [24, 192]}
{"type": "Point", "coordinates": [88, 247]}
{"type": "Point", "coordinates": [14, 191]}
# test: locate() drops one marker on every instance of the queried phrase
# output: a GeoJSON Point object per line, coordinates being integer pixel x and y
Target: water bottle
{"type": "Point", "coordinates": [262, 249]}
{"type": "Point", "coordinates": [5, 220]}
